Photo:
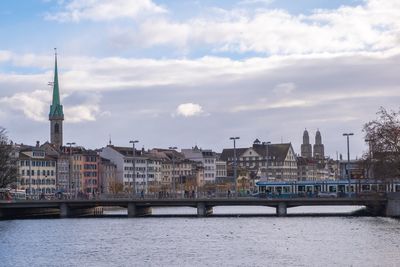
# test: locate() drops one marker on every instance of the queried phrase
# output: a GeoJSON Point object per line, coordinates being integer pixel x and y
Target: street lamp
{"type": "Point", "coordinates": [133, 166]}
{"type": "Point", "coordinates": [266, 144]}
{"type": "Point", "coordinates": [235, 162]}
{"type": "Point", "coordinates": [70, 167]}
{"type": "Point", "coordinates": [348, 157]}
{"type": "Point", "coordinates": [369, 141]}
{"type": "Point", "coordinates": [173, 169]}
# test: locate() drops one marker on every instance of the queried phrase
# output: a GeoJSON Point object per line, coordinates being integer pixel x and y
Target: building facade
{"type": "Point", "coordinates": [207, 158]}
{"type": "Point", "coordinates": [264, 161]}
{"type": "Point", "coordinates": [37, 172]}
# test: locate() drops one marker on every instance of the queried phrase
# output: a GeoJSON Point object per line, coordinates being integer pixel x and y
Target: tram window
{"type": "Point", "coordinates": [341, 188]}
{"type": "Point", "coordinates": [301, 188]}
{"type": "Point", "coordinates": [332, 188]}
{"type": "Point", "coordinates": [397, 188]}
{"type": "Point", "coordinates": [373, 187]}
{"type": "Point", "coordinates": [381, 188]}
{"type": "Point", "coordinates": [317, 188]}
{"type": "Point", "coordinates": [365, 187]}
{"type": "Point", "coordinates": [286, 189]}
{"type": "Point", "coordinates": [351, 188]}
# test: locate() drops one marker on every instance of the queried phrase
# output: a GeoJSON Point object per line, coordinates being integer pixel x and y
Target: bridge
{"type": "Point", "coordinates": [388, 205]}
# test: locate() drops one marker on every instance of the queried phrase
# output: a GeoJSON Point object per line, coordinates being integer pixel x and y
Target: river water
{"type": "Point", "coordinates": [191, 241]}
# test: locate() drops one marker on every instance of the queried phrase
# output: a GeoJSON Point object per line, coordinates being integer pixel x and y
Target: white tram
{"type": "Point", "coordinates": [313, 188]}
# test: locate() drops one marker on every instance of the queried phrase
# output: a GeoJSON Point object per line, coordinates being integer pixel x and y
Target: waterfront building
{"type": "Point", "coordinates": [63, 173]}
{"type": "Point", "coordinates": [352, 169]}
{"type": "Point", "coordinates": [84, 171]}
{"type": "Point", "coordinates": [143, 168]}
{"type": "Point", "coordinates": [37, 171]}
{"type": "Point", "coordinates": [280, 164]}
{"type": "Point", "coordinates": [207, 158]}
{"type": "Point", "coordinates": [107, 176]}
{"type": "Point", "coordinates": [221, 169]}
{"type": "Point", "coordinates": [177, 171]}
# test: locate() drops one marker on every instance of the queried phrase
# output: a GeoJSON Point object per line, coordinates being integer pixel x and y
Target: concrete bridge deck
{"type": "Point", "coordinates": [386, 206]}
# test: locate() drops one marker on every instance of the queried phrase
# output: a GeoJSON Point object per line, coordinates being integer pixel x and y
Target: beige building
{"type": "Point", "coordinates": [37, 172]}
{"type": "Point", "coordinates": [264, 161]}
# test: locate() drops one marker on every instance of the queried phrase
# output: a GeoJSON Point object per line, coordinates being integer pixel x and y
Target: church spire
{"type": "Point", "coordinates": [56, 109]}
{"type": "Point", "coordinates": [56, 115]}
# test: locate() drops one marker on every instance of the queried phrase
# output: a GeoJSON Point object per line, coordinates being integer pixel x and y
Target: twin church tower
{"type": "Point", "coordinates": [56, 115]}
{"type": "Point", "coordinates": [306, 150]}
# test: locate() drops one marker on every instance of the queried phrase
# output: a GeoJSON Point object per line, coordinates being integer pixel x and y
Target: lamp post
{"type": "Point", "coordinates": [70, 167]}
{"type": "Point", "coordinates": [348, 157]}
{"type": "Point", "coordinates": [235, 162]}
{"type": "Point", "coordinates": [133, 167]}
{"type": "Point", "coordinates": [266, 158]}
{"type": "Point", "coordinates": [173, 169]}
{"type": "Point", "coordinates": [30, 175]}
{"type": "Point", "coordinates": [369, 141]}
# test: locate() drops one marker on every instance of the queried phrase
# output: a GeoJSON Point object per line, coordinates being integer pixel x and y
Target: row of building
{"type": "Point", "coordinates": [51, 167]}
{"type": "Point", "coordinates": [113, 169]}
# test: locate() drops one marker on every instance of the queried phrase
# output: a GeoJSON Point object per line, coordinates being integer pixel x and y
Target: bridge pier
{"type": "Point", "coordinates": [281, 209]}
{"type": "Point", "coordinates": [65, 211]}
{"type": "Point", "coordinates": [137, 211]}
{"type": "Point", "coordinates": [393, 205]}
{"type": "Point", "coordinates": [203, 210]}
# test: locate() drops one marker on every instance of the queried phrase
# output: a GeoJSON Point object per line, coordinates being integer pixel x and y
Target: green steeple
{"type": "Point", "coordinates": [56, 109]}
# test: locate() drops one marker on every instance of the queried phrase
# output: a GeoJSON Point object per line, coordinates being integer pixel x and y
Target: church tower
{"type": "Point", "coordinates": [56, 115]}
{"type": "Point", "coordinates": [306, 151]}
{"type": "Point", "coordinates": [318, 148]}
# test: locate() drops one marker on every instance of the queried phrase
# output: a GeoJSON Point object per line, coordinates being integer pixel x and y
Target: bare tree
{"type": "Point", "coordinates": [383, 135]}
{"type": "Point", "coordinates": [8, 164]}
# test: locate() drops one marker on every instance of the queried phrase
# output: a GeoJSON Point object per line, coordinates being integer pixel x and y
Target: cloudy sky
{"type": "Point", "coordinates": [180, 73]}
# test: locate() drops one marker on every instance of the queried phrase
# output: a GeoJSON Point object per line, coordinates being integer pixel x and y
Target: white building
{"type": "Point", "coordinates": [147, 168]}
{"type": "Point", "coordinates": [207, 157]}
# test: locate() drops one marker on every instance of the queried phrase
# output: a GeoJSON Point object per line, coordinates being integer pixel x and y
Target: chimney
{"type": "Point", "coordinates": [37, 143]}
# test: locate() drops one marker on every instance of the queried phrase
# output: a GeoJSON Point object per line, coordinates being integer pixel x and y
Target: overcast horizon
{"type": "Point", "coordinates": [186, 73]}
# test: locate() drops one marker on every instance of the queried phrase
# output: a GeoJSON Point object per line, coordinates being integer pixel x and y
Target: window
{"type": "Point", "coordinates": [56, 128]}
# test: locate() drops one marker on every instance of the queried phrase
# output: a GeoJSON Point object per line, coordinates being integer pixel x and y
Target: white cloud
{"type": "Point", "coordinates": [372, 26]}
{"type": "Point", "coordinates": [104, 10]}
{"type": "Point", "coordinates": [81, 113]}
{"type": "Point", "coordinates": [189, 110]}
{"type": "Point", "coordinates": [33, 104]}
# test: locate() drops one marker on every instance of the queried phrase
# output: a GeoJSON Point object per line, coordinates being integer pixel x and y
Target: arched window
{"type": "Point", "coordinates": [47, 190]}
{"type": "Point", "coordinates": [56, 128]}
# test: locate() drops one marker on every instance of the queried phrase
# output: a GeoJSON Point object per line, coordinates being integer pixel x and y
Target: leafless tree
{"type": "Point", "coordinates": [8, 164]}
{"type": "Point", "coordinates": [383, 135]}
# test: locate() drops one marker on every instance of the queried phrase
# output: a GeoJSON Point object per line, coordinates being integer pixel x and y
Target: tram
{"type": "Point", "coordinates": [12, 194]}
{"type": "Point", "coordinates": [329, 188]}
